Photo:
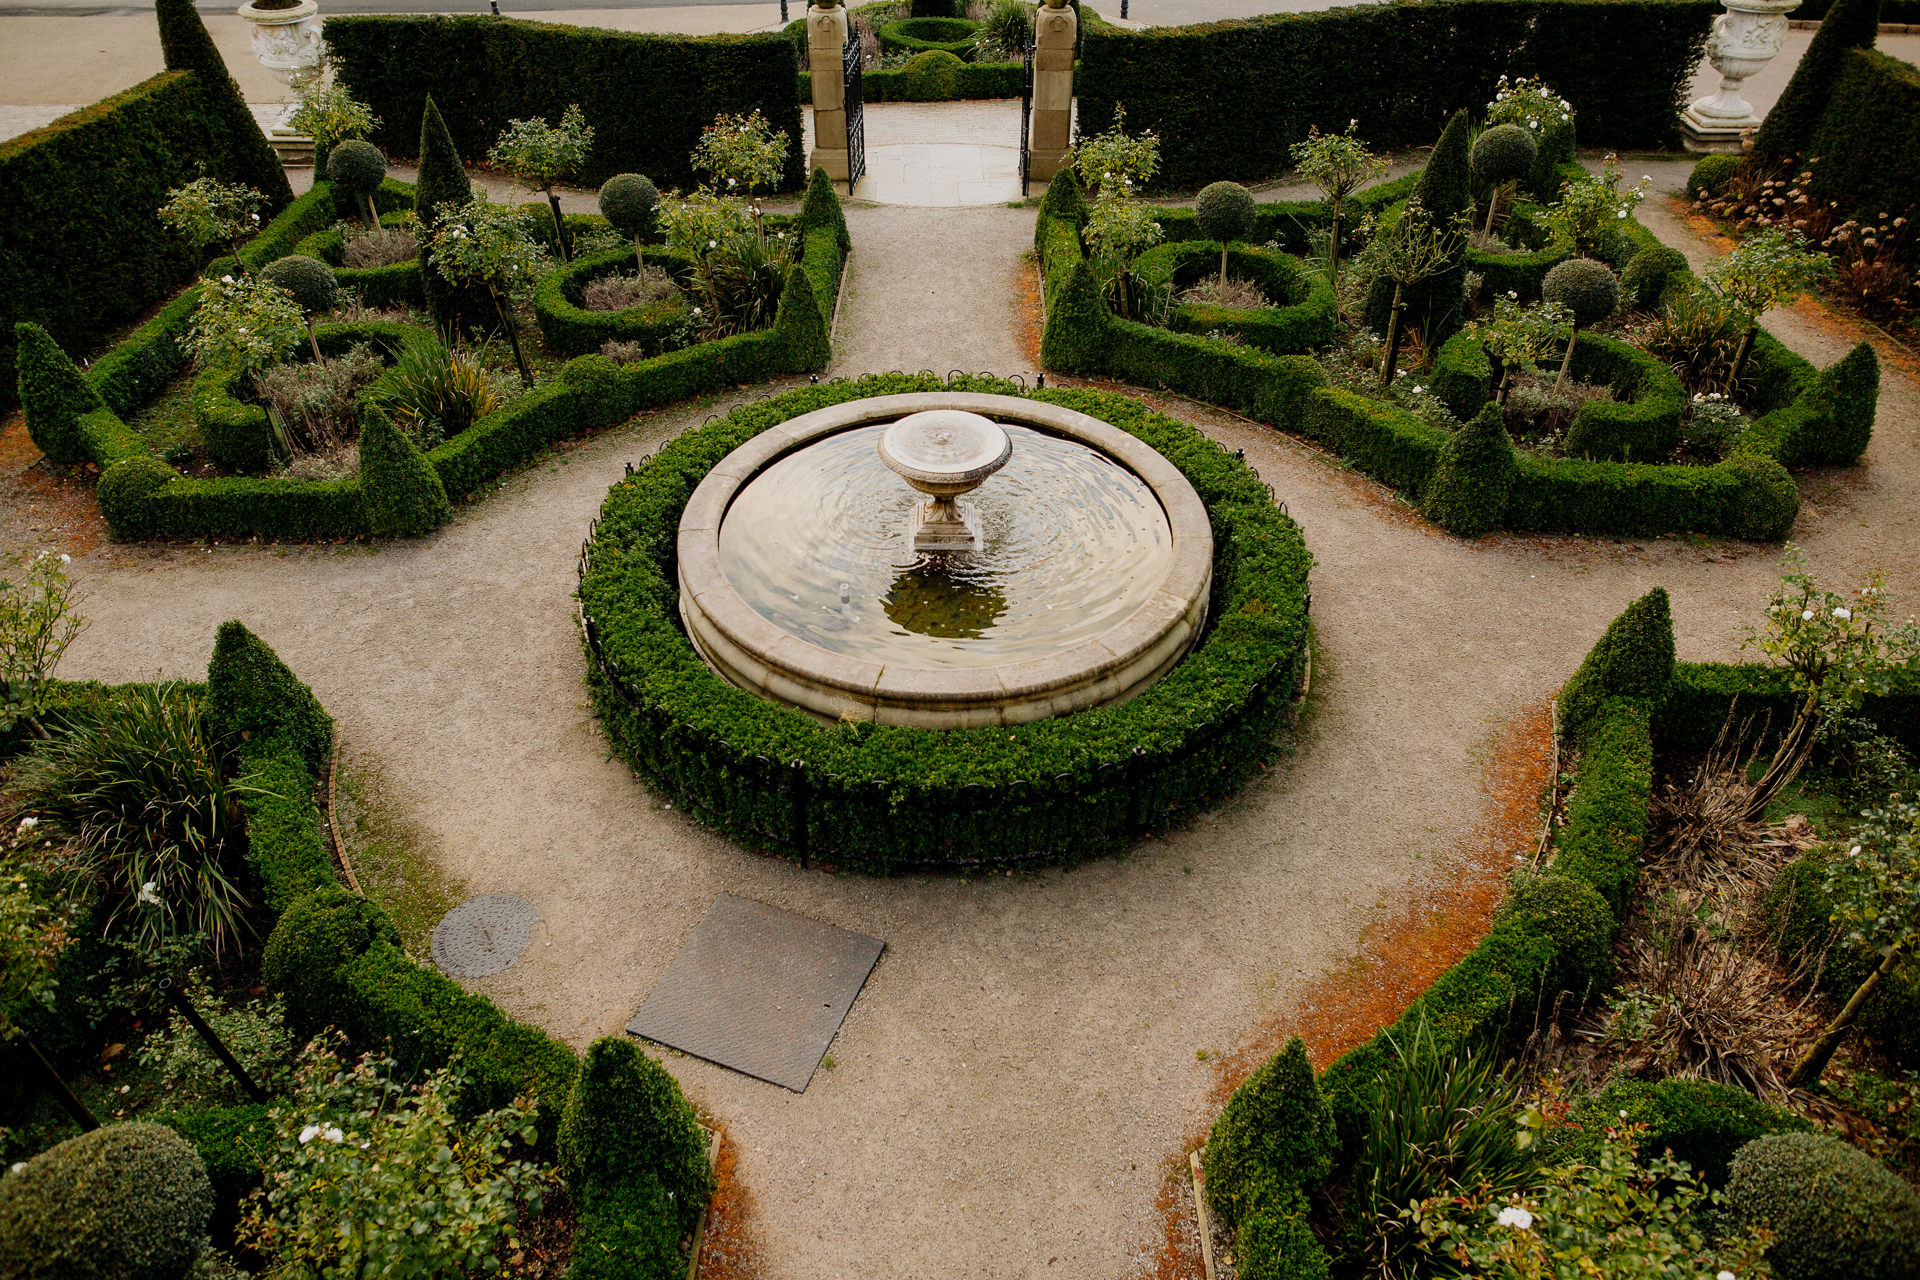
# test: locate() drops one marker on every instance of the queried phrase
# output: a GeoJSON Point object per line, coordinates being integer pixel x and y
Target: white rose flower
{"type": "Point", "coordinates": [1843, 614]}
{"type": "Point", "coordinates": [148, 897]}
{"type": "Point", "coordinates": [333, 1134]}
{"type": "Point", "coordinates": [28, 824]}
{"type": "Point", "coordinates": [1807, 616]}
{"type": "Point", "coordinates": [309, 1133]}
{"type": "Point", "coordinates": [1514, 1216]}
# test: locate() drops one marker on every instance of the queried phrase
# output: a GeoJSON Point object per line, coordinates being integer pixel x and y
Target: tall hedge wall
{"type": "Point", "coordinates": [1230, 98]}
{"type": "Point", "coordinates": [80, 249]}
{"type": "Point", "coordinates": [646, 96]}
{"type": "Point", "coordinates": [1868, 139]}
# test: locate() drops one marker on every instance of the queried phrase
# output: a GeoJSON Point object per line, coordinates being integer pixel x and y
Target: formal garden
{"type": "Point", "coordinates": [1684, 1040]}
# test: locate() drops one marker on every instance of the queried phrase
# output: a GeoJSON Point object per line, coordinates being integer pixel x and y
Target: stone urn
{"type": "Point", "coordinates": [287, 41]}
{"type": "Point", "coordinates": [1744, 39]}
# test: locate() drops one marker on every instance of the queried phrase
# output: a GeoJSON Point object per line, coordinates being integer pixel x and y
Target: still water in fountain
{"type": "Point", "coordinates": [1074, 544]}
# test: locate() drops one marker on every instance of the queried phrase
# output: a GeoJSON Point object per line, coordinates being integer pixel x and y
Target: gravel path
{"type": "Point", "coordinates": [1023, 1062]}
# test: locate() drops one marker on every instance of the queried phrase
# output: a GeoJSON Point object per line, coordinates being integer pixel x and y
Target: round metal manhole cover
{"type": "Point", "coordinates": [484, 935]}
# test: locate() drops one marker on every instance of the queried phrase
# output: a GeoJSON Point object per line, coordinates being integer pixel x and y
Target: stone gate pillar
{"type": "Point", "coordinates": [1055, 29]}
{"type": "Point", "coordinates": [826, 37]}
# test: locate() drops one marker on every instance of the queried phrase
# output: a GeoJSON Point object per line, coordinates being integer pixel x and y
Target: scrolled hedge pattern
{"type": "Point", "coordinates": [569, 327]}
{"type": "Point", "coordinates": [880, 797]}
{"type": "Point", "coordinates": [1300, 318]}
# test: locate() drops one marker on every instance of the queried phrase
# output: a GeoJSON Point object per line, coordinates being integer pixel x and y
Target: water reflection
{"type": "Point", "coordinates": [933, 600]}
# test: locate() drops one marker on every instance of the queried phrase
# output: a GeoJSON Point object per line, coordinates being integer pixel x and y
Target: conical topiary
{"type": "Point", "coordinates": [252, 695]}
{"type": "Point", "coordinates": [443, 180]}
{"type": "Point", "coordinates": [54, 394]}
{"type": "Point", "coordinates": [242, 153]}
{"type": "Point", "coordinates": [1467, 493]}
{"type": "Point", "coordinates": [400, 491]}
{"type": "Point", "coordinates": [1276, 1134]}
{"type": "Point", "coordinates": [1437, 304]}
{"type": "Point", "coordinates": [1062, 199]}
{"type": "Point", "coordinates": [801, 326]}
{"type": "Point", "coordinates": [1634, 659]}
{"type": "Point", "coordinates": [822, 208]}
{"type": "Point", "coordinates": [627, 1116]}
{"type": "Point", "coordinates": [1844, 397]}
{"type": "Point", "coordinates": [1077, 323]}
{"type": "Point", "coordinates": [1788, 128]}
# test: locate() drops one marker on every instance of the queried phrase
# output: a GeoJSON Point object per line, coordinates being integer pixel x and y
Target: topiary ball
{"type": "Point", "coordinates": [130, 1201]}
{"type": "Point", "coordinates": [1836, 1212]}
{"type": "Point", "coordinates": [309, 280]}
{"type": "Point", "coordinates": [933, 76]}
{"type": "Point", "coordinates": [1224, 211]}
{"type": "Point", "coordinates": [1587, 288]}
{"type": "Point", "coordinates": [1503, 153]}
{"type": "Point", "coordinates": [627, 200]}
{"type": "Point", "coordinates": [358, 166]}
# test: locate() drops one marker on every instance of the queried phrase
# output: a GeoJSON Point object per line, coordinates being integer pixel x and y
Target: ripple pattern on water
{"type": "Point", "coordinates": [1075, 544]}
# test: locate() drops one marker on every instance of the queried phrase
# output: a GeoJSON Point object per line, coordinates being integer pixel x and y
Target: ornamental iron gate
{"type": "Point", "coordinates": [1026, 109]}
{"type": "Point", "coordinates": [853, 100]}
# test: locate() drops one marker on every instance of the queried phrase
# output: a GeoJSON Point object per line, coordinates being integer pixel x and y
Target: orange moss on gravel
{"type": "Point", "coordinates": [40, 508]}
{"type": "Point", "coordinates": [728, 1251]}
{"type": "Point", "coordinates": [1400, 956]}
{"type": "Point", "coordinates": [1032, 314]}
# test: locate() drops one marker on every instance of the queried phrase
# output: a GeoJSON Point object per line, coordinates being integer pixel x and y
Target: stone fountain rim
{"type": "Point", "coordinates": [750, 652]}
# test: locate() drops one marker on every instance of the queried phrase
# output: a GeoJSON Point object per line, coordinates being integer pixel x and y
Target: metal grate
{"type": "Point", "coordinates": [854, 101]}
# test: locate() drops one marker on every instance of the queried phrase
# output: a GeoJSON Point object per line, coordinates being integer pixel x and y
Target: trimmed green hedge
{"type": "Point", "coordinates": [1520, 273]}
{"type": "Point", "coordinates": [569, 327]}
{"type": "Point", "coordinates": [1300, 318]}
{"type": "Point", "coordinates": [646, 96]}
{"type": "Point", "coordinates": [1401, 70]}
{"type": "Point", "coordinates": [878, 797]}
{"type": "Point", "coordinates": [1696, 1121]}
{"type": "Point", "coordinates": [922, 35]}
{"type": "Point", "coordinates": [1642, 421]}
{"type": "Point", "coordinates": [1747, 496]}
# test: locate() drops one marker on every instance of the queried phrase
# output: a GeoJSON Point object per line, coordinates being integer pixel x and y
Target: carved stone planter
{"type": "Point", "coordinates": [287, 42]}
{"type": "Point", "coordinates": [1745, 38]}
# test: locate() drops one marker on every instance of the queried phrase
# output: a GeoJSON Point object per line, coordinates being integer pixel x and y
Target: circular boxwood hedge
{"type": "Point", "coordinates": [924, 35]}
{"type": "Point", "coordinates": [1300, 319]}
{"type": "Point", "coordinates": [880, 798]}
{"type": "Point", "coordinates": [570, 328]}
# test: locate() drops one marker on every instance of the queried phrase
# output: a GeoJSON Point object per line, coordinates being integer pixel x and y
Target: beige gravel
{"type": "Point", "coordinates": [1022, 1061]}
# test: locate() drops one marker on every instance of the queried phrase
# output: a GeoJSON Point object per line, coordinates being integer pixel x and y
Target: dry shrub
{"type": "Point", "coordinates": [342, 462]}
{"type": "Point", "coordinates": [622, 352]}
{"type": "Point", "coordinates": [621, 293]}
{"type": "Point", "coordinates": [380, 247]}
{"type": "Point", "coordinates": [1535, 408]}
{"type": "Point", "coordinates": [1866, 261]}
{"type": "Point", "coordinates": [1235, 294]}
{"type": "Point", "coordinates": [318, 404]}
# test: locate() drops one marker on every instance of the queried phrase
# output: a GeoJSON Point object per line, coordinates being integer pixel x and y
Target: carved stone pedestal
{"type": "Point", "coordinates": [1745, 38]}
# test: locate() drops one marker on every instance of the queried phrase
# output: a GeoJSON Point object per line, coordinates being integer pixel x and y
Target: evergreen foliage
{"type": "Point", "coordinates": [1467, 492]}
{"type": "Point", "coordinates": [253, 696]}
{"type": "Point", "coordinates": [1224, 211]}
{"type": "Point", "coordinates": [1585, 287]}
{"type": "Point", "coordinates": [1503, 154]}
{"type": "Point", "coordinates": [443, 180]}
{"type": "Point", "coordinates": [122, 1202]}
{"type": "Point", "coordinates": [245, 157]}
{"type": "Point", "coordinates": [1633, 660]}
{"type": "Point", "coordinates": [1868, 141]}
{"type": "Point", "coordinates": [1836, 1212]}
{"type": "Point", "coordinates": [1577, 918]}
{"type": "Point", "coordinates": [317, 938]}
{"type": "Point", "coordinates": [357, 166]}
{"type": "Point", "coordinates": [401, 491]}
{"type": "Point", "coordinates": [627, 1120]}
{"type": "Point", "coordinates": [54, 395]}
{"type": "Point", "coordinates": [1697, 1121]}
{"type": "Point", "coordinates": [627, 201]}
{"type": "Point", "coordinates": [1276, 1242]}
{"type": "Point", "coordinates": [1436, 306]}
{"type": "Point", "coordinates": [309, 280]}
{"type": "Point", "coordinates": [821, 208]}
{"type": "Point", "coordinates": [1275, 1136]}
{"type": "Point", "coordinates": [1790, 123]}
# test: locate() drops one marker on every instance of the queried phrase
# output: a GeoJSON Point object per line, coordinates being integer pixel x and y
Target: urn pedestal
{"type": "Point", "coordinates": [1745, 38]}
{"type": "Point", "coordinates": [287, 43]}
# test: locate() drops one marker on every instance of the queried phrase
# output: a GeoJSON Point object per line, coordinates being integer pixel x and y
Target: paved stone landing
{"type": "Point", "coordinates": [758, 990]}
{"type": "Point", "coordinates": [482, 936]}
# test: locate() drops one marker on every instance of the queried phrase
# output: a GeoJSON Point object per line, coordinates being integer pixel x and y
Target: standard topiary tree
{"type": "Point", "coordinates": [1224, 212]}
{"type": "Point", "coordinates": [400, 491]}
{"type": "Point", "coordinates": [1589, 290]}
{"type": "Point", "coordinates": [252, 696]}
{"type": "Point", "coordinates": [315, 941]}
{"type": "Point", "coordinates": [313, 286]}
{"type": "Point", "coordinates": [357, 167]}
{"type": "Point", "coordinates": [1634, 660]}
{"type": "Point", "coordinates": [1275, 1135]}
{"type": "Point", "coordinates": [1467, 493]}
{"type": "Point", "coordinates": [1836, 1212]}
{"type": "Point", "coordinates": [443, 180]}
{"type": "Point", "coordinates": [628, 201]}
{"type": "Point", "coordinates": [1501, 157]}
{"type": "Point", "coordinates": [1276, 1243]}
{"type": "Point", "coordinates": [54, 394]}
{"type": "Point", "coordinates": [1788, 128]}
{"type": "Point", "coordinates": [627, 1119]}
{"type": "Point", "coordinates": [124, 1202]}
{"type": "Point", "coordinates": [1437, 302]}
{"type": "Point", "coordinates": [241, 152]}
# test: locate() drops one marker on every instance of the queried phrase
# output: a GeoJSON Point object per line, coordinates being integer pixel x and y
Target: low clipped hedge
{"type": "Point", "coordinates": [571, 328]}
{"type": "Point", "coordinates": [922, 35]}
{"type": "Point", "coordinates": [406, 493]}
{"type": "Point", "coordinates": [1697, 1121]}
{"type": "Point", "coordinates": [1749, 495]}
{"type": "Point", "coordinates": [1520, 273]}
{"type": "Point", "coordinates": [1300, 318]}
{"type": "Point", "coordinates": [884, 797]}
{"type": "Point", "coordinates": [1642, 421]}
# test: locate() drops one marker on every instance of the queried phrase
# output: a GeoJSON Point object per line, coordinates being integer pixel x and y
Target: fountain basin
{"type": "Point", "coordinates": [752, 652]}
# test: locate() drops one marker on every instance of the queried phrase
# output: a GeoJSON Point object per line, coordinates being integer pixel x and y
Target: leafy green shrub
{"type": "Point", "coordinates": [1468, 490]}
{"type": "Point", "coordinates": [1587, 288]}
{"type": "Point", "coordinates": [1462, 376]}
{"type": "Point", "coordinates": [1275, 1134]}
{"type": "Point", "coordinates": [313, 944]}
{"type": "Point", "coordinates": [254, 1032]}
{"type": "Point", "coordinates": [628, 1230]}
{"type": "Point", "coordinates": [1276, 1242]}
{"type": "Point", "coordinates": [933, 76]}
{"type": "Point", "coordinates": [143, 795]}
{"type": "Point", "coordinates": [253, 696]}
{"type": "Point", "coordinates": [627, 1118]}
{"type": "Point", "coordinates": [1299, 314]}
{"type": "Point", "coordinates": [1647, 273]}
{"type": "Point", "coordinates": [230, 1141]}
{"type": "Point", "coordinates": [1697, 1121]}
{"type": "Point", "coordinates": [401, 491]}
{"type": "Point", "coordinates": [309, 280]}
{"type": "Point", "coordinates": [368, 1177]}
{"type": "Point", "coordinates": [1503, 154]}
{"type": "Point", "coordinates": [54, 394]}
{"type": "Point", "coordinates": [1767, 502]}
{"type": "Point", "coordinates": [921, 35]}
{"type": "Point", "coordinates": [123, 1202]}
{"type": "Point", "coordinates": [1633, 660]}
{"type": "Point", "coordinates": [1710, 173]}
{"type": "Point", "coordinates": [1576, 917]}
{"type": "Point", "coordinates": [1836, 1213]}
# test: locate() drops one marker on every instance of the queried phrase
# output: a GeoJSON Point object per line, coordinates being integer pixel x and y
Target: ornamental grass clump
{"type": "Point", "coordinates": [379, 247]}
{"type": "Point", "coordinates": [541, 155]}
{"type": "Point", "coordinates": [620, 293]}
{"type": "Point", "coordinates": [434, 394]}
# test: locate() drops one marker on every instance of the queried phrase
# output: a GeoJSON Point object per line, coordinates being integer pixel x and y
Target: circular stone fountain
{"type": "Point", "coordinates": [1075, 575]}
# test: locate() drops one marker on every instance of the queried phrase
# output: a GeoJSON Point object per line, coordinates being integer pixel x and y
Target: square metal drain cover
{"type": "Point", "coordinates": [758, 990]}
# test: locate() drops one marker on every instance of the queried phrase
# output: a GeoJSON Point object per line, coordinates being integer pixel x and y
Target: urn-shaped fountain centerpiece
{"type": "Point", "coordinates": [944, 453]}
